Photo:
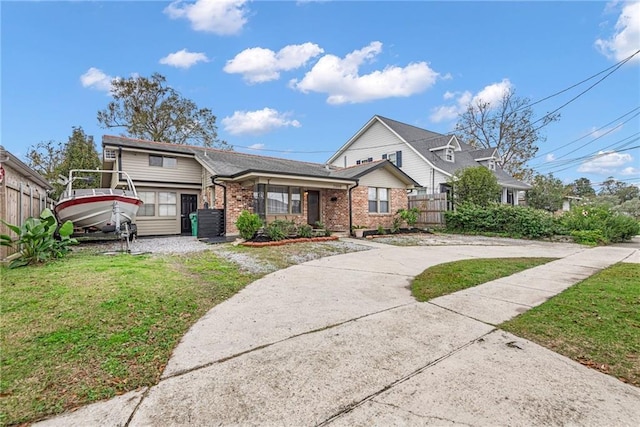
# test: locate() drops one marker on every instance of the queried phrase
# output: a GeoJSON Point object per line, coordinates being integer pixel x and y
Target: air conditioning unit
{"type": "Point", "coordinates": [109, 155]}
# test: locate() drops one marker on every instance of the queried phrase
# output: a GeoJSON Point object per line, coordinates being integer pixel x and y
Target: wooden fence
{"type": "Point", "coordinates": [20, 202]}
{"type": "Point", "coordinates": [432, 208]}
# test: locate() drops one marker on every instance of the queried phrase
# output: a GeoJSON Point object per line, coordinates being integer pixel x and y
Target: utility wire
{"type": "Point", "coordinates": [590, 133]}
{"type": "Point", "coordinates": [610, 70]}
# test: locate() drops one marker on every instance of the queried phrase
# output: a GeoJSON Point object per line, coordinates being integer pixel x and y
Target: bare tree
{"type": "Point", "coordinates": [508, 126]}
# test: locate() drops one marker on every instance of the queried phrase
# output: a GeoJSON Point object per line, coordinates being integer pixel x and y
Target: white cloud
{"type": "Point", "coordinates": [550, 157]}
{"type": "Point", "coordinates": [222, 17]}
{"type": "Point", "coordinates": [96, 79]}
{"type": "Point", "coordinates": [259, 65]}
{"type": "Point", "coordinates": [340, 78]}
{"type": "Point", "coordinates": [630, 171]}
{"type": "Point", "coordinates": [257, 122]}
{"type": "Point", "coordinates": [256, 146]}
{"type": "Point", "coordinates": [624, 41]}
{"type": "Point", "coordinates": [184, 59]}
{"type": "Point", "coordinates": [493, 93]}
{"type": "Point", "coordinates": [490, 94]}
{"type": "Point", "coordinates": [605, 162]}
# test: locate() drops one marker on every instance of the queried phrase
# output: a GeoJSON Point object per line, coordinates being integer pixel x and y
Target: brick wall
{"type": "Point", "coordinates": [334, 209]}
{"type": "Point", "coordinates": [360, 203]}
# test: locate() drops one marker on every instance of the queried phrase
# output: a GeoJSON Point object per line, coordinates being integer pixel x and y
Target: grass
{"type": "Point", "coordinates": [90, 327]}
{"type": "Point", "coordinates": [454, 276]}
{"type": "Point", "coordinates": [596, 322]}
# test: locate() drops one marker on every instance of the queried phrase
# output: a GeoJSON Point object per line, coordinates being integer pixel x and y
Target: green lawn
{"type": "Point", "coordinates": [454, 276]}
{"type": "Point", "coordinates": [93, 326]}
{"type": "Point", "coordinates": [596, 322]}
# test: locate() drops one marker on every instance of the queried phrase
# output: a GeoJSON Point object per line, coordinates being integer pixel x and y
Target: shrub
{"type": "Point", "coordinates": [410, 216]}
{"type": "Point", "coordinates": [588, 237]}
{"type": "Point", "coordinates": [279, 229]}
{"type": "Point", "coordinates": [305, 230]}
{"type": "Point", "coordinates": [381, 230]}
{"type": "Point", "coordinates": [39, 239]}
{"type": "Point", "coordinates": [516, 221]}
{"type": "Point", "coordinates": [603, 220]}
{"type": "Point", "coordinates": [248, 224]}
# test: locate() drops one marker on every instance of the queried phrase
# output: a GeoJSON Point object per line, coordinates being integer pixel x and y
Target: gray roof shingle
{"type": "Point", "coordinates": [230, 164]}
{"type": "Point", "coordinates": [423, 141]}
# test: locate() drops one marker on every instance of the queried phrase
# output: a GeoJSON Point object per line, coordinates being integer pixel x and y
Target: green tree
{"type": "Point", "coordinates": [508, 126]}
{"type": "Point", "coordinates": [147, 108]}
{"type": "Point", "coordinates": [623, 191]}
{"type": "Point", "coordinates": [547, 193]}
{"type": "Point", "coordinates": [46, 158]}
{"type": "Point", "coordinates": [475, 185]}
{"type": "Point", "coordinates": [53, 160]}
{"type": "Point", "coordinates": [581, 187]}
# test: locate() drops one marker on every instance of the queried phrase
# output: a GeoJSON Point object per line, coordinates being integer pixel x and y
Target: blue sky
{"type": "Point", "coordinates": [298, 79]}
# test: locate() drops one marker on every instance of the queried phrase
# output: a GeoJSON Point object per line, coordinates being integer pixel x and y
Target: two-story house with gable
{"type": "Point", "coordinates": [428, 157]}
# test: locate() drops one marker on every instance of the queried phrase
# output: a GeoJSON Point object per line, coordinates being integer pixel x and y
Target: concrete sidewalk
{"type": "Point", "coordinates": [340, 341]}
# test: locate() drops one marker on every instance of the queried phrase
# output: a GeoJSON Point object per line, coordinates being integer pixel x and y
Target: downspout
{"type": "Point", "coordinates": [224, 199]}
{"type": "Point", "coordinates": [119, 166]}
{"type": "Point", "coordinates": [350, 208]}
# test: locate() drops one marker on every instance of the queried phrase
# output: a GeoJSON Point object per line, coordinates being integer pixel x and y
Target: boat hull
{"type": "Point", "coordinates": [97, 210]}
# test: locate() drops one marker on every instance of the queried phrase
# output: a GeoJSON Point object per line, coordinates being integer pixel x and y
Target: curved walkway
{"type": "Point", "coordinates": [340, 341]}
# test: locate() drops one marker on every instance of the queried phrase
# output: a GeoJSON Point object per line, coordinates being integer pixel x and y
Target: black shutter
{"type": "Point", "coordinates": [384, 156]}
{"type": "Point", "coordinates": [399, 159]}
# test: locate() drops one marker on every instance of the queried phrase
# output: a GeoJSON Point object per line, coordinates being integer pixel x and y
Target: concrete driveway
{"type": "Point", "coordinates": [340, 341]}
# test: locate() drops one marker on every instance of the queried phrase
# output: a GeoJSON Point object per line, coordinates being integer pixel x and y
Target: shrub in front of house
{"type": "Point", "coordinates": [514, 221]}
{"type": "Point", "coordinates": [248, 224]}
{"type": "Point", "coordinates": [598, 224]}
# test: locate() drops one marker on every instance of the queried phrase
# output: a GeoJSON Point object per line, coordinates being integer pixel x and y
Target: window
{"type": "Point", "coordinates": [395, 158]}
{"type": "Point", "coordinates": [492, 165]}
{"type": "Point", "coordinates": [378, 200]}
{"type": "Point", "coordinates": [367, 160]}
{"type": "Point", "coordinates": [148, 207]}
{"type": "Point", "coordinates": [167, 205]}
{"type": "Point", "coordinates": [280, 199]}
{"type": "Point", "coordinates": [163, 161]}
{"type": "Point", "coordinates": [448, 155]}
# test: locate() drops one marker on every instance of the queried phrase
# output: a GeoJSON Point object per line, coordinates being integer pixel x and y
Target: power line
{"type": "Point", "coordinates": [570, 163]}
{"type": "Point", "coordinates": [611, 70]}
{"type": "Point", "coordinates": [590, 133]}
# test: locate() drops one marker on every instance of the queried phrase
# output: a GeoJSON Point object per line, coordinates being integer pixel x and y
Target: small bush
{"type": "Point", "coordinates": [305, 230]}
{"type": "Point", "coordinates": [279, 229]}
{"type": "Point", "coordinates": [381, 230]}
{"type": "Point", "coordinates": [410, 216]}
{"type": "Point", "coordinates": [248, 224]}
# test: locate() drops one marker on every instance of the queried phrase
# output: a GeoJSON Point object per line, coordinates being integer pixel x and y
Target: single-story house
{"type": "Point", "coordinates": [428, 157]}
{"type": "Point", "coordinates": [177, 180]}
{"type": "Point", "coordinates": [23, 193]}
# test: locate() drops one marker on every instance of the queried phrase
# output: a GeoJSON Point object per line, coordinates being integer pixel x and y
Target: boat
{"type": "Point", "coordinates": [104, 209]}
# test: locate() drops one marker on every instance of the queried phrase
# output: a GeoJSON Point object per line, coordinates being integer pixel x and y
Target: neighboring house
{"type": "Point", "coordinates": [23, 193]}
{"type": "Point", "coordinates": [176, 180]}
{"type": "Point", "coordinates": [429, 158]}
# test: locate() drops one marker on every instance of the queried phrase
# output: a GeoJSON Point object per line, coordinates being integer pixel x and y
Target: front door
{"type": "Point", "coordinates": [188, 204]}
{"type": "Point", "coordinates": [313, 207]}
